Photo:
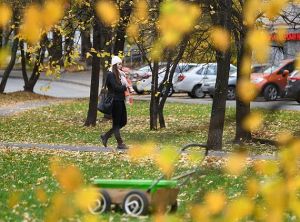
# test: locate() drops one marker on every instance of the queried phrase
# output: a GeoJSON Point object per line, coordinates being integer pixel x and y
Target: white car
{"type": "Point", "coordinates": [144, 85]}
{"type": "Point", "coordinates": [143, 72]}
{"type": "Point", "coordinates": [192, 81]}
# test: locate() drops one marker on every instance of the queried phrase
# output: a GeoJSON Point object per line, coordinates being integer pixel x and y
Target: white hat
{"type": "Point", "coordinates": [115, 60]}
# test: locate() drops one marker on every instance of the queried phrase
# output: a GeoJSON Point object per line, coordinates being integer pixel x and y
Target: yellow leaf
{"type": "Point", "coordinates": [246, 90]}
{"type": "Point", "coordinates": [86, 197]}
{"type": "Point", "coordinates": [273, 8]}
{"type": "Point", "coordinates": [220, 38]}
{"type": "Point", "coordinates": [297, 64]}
{"type": "Point", "coordinates": [41, 195]}
{"type": "Point", "coordinates": [253, 121]}
{"type": "Point", "coordinates": [31, 29]}
{"type": "Point", "coordinates": [252, 187]}
{"type": "Point", "coordinates": [215, 201]}
{"type": "Point", "coordinates": [239, 208]}
{"type": "Point", "coordinates": [156, 51]}
{"type": "Point", "coordinates": [108, 12]}
{"type": "Point", "coordinates": [5, 14]}
{"type": "Point", "coordinates": [4, 56]}
{"type": "Point", "coordinates": [267, 168]}
{"type": "Point", "coordinates": [246, 66]}
{"type": "Point", "coordinates": [141, 10]}
{"type": "Point", "coordinates": [251, 10]}
{"type": "Point", "coordinates": [236, 163]}
{"type": "Point", "coordinates": [196, 157]}
{"type": "Point", "coordinates": [176, 18]}
{"type": "Point", "coordinates": [200, 214]}
{"type": "Point", "coordinates": [13, 199]}
{"type": "Point", "coordinates": [259, 42]}
{"type": "Point", "coordinates": [166, 160]}
{"type": "Point", "coordinates": [284, 137]}
{"type": "Point", "coordinates": [52, 12]}
{"type": "Point", "coordinates": [137, 152]}
{"type": "Point", "coordinates": [294, 205]}
{"type": "Point", "coordinates": [69, 177]}
{"type": "Point", "coordinates": [281, 34]}
{"type": "Point", "coordinates": [91, 218]}
{"type": "Point", "coordinates": [132, 31]}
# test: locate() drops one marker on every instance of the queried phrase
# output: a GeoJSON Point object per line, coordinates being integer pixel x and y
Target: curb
{"type": "Point", "coordinates": [51, 80]}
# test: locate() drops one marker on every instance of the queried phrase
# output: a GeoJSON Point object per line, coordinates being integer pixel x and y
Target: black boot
{"type": "Point", "coordinates": [119, 139]}
{"type": "Point", "coordinates": [104, 137]}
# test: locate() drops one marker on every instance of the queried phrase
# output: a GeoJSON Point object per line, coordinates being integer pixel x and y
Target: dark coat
{"type": "Point", "coordinates": [115, 88]}
{"type": "Point", "coordinates": [119, 113]}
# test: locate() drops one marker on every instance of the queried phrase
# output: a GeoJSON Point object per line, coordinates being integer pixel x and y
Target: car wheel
{"type": "Point", "coordinates": [270, 93]}
{"type": "Point", "coordinates": [231, 93]}
{"type": "Point", "coordinates": [298, 99]}
{"type": "Point", "coordinates": [136, 90]}
{"type": "Point", "coordinates": [197, 92]}
{"type": "Point", "coordinates": [135, 203]}
{"type": "Point", "coordinates": [170, 93]}
{"type": "Point", "coordinates": [191, 95]}
{"type": "Point", "coordinates": [102, 204]}
{"type": "Point", "coordinates": [211, 96]}
{"type": "Point", "coordinates": [174, 207]}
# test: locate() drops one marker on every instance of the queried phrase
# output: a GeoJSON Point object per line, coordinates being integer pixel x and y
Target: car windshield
{"type": "Point", "coordinates": [145, 68]}
{"type": "Point", "coordinates": [272, 68]}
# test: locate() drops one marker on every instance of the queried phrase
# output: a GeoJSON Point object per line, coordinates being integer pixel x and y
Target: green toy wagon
{"type": "Point", "coordinates": [138, 197]}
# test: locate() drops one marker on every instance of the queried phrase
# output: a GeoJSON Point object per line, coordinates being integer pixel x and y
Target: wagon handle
{"type": "Point", "coordinates": [195, 144]}
{"type": "Point", "coordinates": [155, 183]}
{"type": "Point", "coordinates": [184, 175]}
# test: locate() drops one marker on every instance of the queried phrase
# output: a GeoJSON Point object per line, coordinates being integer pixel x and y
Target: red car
{"type": "Point", "coordinates": [271, 83]}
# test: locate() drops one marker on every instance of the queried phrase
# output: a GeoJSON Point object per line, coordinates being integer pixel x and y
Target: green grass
{"type": "Point", "coordinates": [186, 123]}
{"type": "Point", "coordinates": [24, 171]}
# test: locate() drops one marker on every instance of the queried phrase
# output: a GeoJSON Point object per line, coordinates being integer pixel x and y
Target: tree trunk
{"type": "Point", "coordinates": [23, 62]}
{"type": "Point", "coordinates": [121, 29]}
{"type": "Point", "coordinates": [97, 38]}
{"type": "Point", "coordinates": [1, 37]}
{"type": "Point", "coordinates": [169, 80]}
{"type": "Point", "coordinates": [56, 51]}
{"type": "Point", "coordinates": [215, 133]}
{"type": "Point", "coordinates": [69, 44]}
{"type": "Point", "coordinates": [35, 75]}
{"type": "Point", "coordinates": [86, 45]}
{"type": "Point", "coordinates": [242, 108]}
{"type": "Point", "coordinates": [154, 98]}
{"type": "Point", "coordinates": [10, 64]}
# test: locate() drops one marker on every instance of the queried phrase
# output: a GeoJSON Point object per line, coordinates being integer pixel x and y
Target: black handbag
{"type": "Point", "coordinates": [105, 101]}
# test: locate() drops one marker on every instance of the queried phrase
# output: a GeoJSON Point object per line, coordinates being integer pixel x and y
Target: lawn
{"type": "Point", "coordinates": [25, 172]}
{"type": "Point", "coordinates": [186, 123]}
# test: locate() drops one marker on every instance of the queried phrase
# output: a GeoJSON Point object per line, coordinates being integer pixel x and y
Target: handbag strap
{"type": "Point", "coordinates": [104, 86]}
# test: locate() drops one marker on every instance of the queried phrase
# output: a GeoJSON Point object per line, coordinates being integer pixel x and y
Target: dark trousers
{"type": "Point", "coordinates": [119, 120]}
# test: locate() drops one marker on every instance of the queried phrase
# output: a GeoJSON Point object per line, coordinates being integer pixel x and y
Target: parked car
{"type": "Point", "coordinates": [193, 81]}
{"type": "Point", "coordinates": [144, 85]}
{"type": "Point", "coordinates": [256, 68]}
{"type": "Point", "coordinates": [143, 72]}
{"type": "Point", "coordinates": [231, 94]}
{"type": "Point", "coordinates": [293, 86]}
{"type": "Point", "coordinates": [209, 87]}
{"type": "Point", "coordinates": [272, 81]}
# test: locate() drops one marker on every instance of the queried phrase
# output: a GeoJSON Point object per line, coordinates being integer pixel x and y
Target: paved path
{"type": "Point", "coordinates": [108, 149]}
{"type": "Point", "coordinates": [282, 104]}
{"type": "Point", "coordinates": [28, 105]}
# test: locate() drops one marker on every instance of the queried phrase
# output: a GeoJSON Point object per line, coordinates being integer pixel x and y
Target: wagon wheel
{"type": "Point", "coordinates": [135, 203]}
{"type": "Point", "coordinates": [102, 204]}
{"type": "Point", "coordinates": [173, 207]}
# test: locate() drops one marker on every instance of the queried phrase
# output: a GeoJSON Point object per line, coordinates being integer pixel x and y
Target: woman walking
{"type": "Point", "coordinates": [117, 85]}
